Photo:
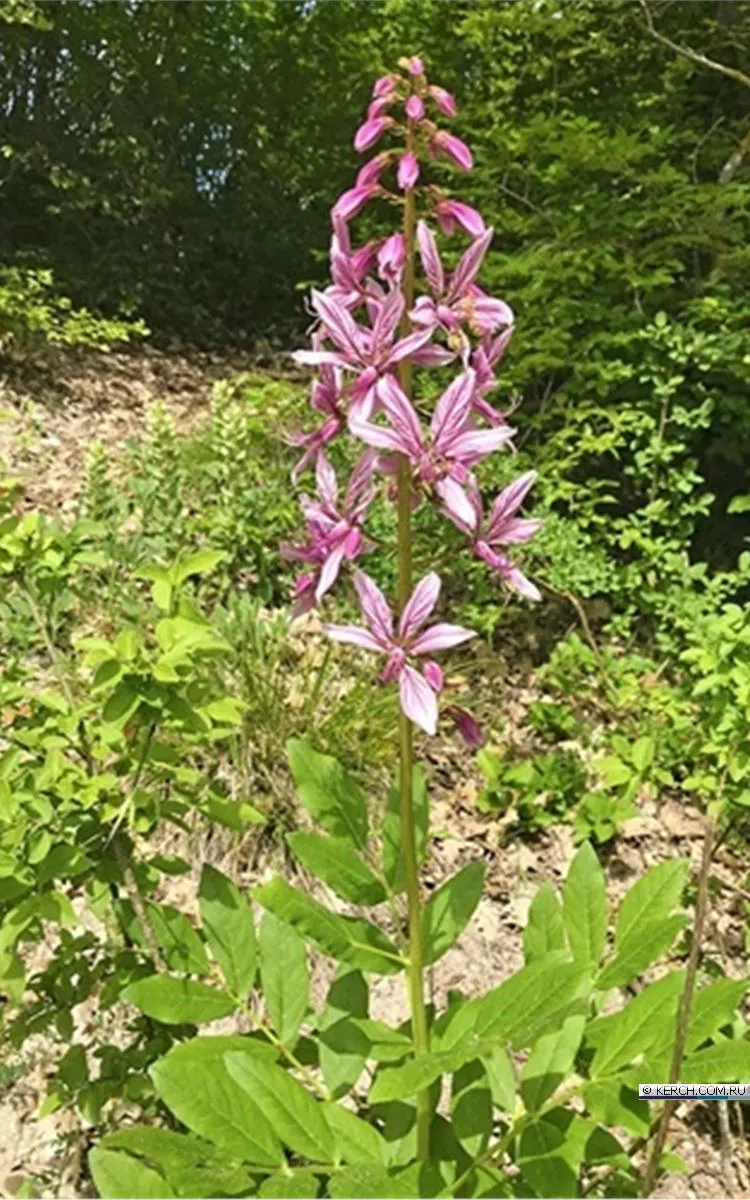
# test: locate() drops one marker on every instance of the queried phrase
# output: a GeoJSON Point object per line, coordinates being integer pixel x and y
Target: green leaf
{"type": "Point", "coordinates": [364, 1182]}
{"type": "Point", "coordinates": [367, 1038]}
{"type": "Point", "coordinates": [398, 1083]}
{"type": "Point", "coordinates": [642, 753]}
{"type": "Point", "coordinates": [182, 946]}
{"type": "Point", "coordinates": [654, 896]}
{"type": "Point", "coordinates": [119, 1176]}
{"type": "Point", "coordinates": [347, 939]}
{"type": "Point", "coordinates": [550, 1062]}
{"type": "Point", "coordinates": [524, 1006]}
{"type": "Point", "coordinates": [545, 928]}
{"type": "Point", "coordinates": [194, 1083]}
{"type": "Point", "coordinates": [178, 1001]}
{"type": "Point", "coordinates": [644, 1023]}
{"type": "Point", "coordinates": [613, 771]}
{"type": "Point", "coordinates": [615, 1104]}
{"type": "Point", "coordinates": [471, 1107]}
{"type": "Point", "coordinates": [192, 1166]}
{"type": "Point", "coordinates": [295, 1117]}
{"type": "Point", "coordinates": [331, 796]}
{"type": "Point", "coordinates": [336, 862]}
{"type": "Point", "coordinates": [299, 1184]}
{"type": "Point", "coordinates": [228, 925]}
{"type": "Point", "coordinates": [393, 860]}
{"type": "Point", "coordinates": [725, 1062]}
{"type": "Point", "coordinates": [200, 563]}
{"type": "Point", "coordinates": [713, 1007]}
{"type": "Point", "coordinates": [502, 1080]}
{"type": "Point", "coordinates": [449, 910]}
{"type": "Point", "coordinates": [641, 949]}
{"type": "Point", "coordinates": [122, 703]}
{"type": "Point", "coordinates": [357, 1141]}
{"type": "Point", "coordinates": [348, 996]}
{"type": "Point", "coordinates": [284, 976]}
{"type": "Point", "coordinates": [547, 1160]}
{"type": "Point", "coordinates": [585, 906]}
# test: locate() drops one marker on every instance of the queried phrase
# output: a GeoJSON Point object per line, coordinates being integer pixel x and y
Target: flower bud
{"type": "Point", "coordinates": [391, 258]}
{"type": "Point", "coordinates": [414, 108]}
{"type": "Point", "coordinates": [454, 212]}
{"type": "Point", "coordinates": [408, 171]}
{"type": "Point", "coordinates": [385, 86]}
{"type": "Point", "coordinates": [369, 133]}
{"type": "Point", "coordinates": [454, 149]}
{"type": "Point", "coordinates": [351, 202]}
{"type": "Point", "coordinates": [444, 100]}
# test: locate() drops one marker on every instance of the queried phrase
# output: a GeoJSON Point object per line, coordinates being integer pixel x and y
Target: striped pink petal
{"type": "Point", "coordinates": [430, 256]}
{"type": "Point", "coordinates": [469, 265]}
{"type": "Point", "coordinates": [338, 323]}
{"type": "Point", "coordinates": [375, 608]}
{"type": "Point", "coordinates": [354, 635]}
{"type": "Point", "coordinates": [452, 409]}
{"type": "Point", "coordinates": [408, 171]}
{"type": "Point", "coordinates": [402, 415]}
{"type": "Point", "coordinates": [456, 502]}
{"type": "Point", "coordinates": [418, 700]}
{"type": "Point", "coordinates": [454, 149]}
{"type": "Point", "coordinates": [419, 605]}
{"type": "Point", "coordinates": [441, 637]}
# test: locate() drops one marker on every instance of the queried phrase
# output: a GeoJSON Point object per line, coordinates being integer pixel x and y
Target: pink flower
{"type": "Point", "coordinates": [385, 86]}
{"type": "Point", "coordinates": [334, 531]}
{"type": "Point", "coordinates": [442, 459]}
{"type": "Point", "coordinates": [326, 398]}
{"type": "Point", "coordinates": [414, 108]}
{"type": "Point", "coordinates": [370, 132]}
{"type": "Point", "coordinates": [460, 302]}
{"type": "Point", "coordinates": [454, 212]}
{"type": "Point", "coordinates": [408, 171]}
{"type": "Point", "coordinates": [370, 353]}
{"type": "Point", "coordinates": [415, 66]}
{"type": "Point", "coordinates": [351, 202]}
{"type": "Point", "coordinates": [444, 100]}
{"type": "Point", "coordinates": [416, 690]}
{"type": "Point", "coordinates": [391, 258]}
{"type": "Point", "coordinates": [453, 148]}
{"type": "Point", "coordinates": [502, 528]}
{"type": "Point", "coordinates": [349, 268]}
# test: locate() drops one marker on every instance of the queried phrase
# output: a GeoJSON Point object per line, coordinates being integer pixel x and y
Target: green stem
{"type": "Point", "coordinates": [415, 979]}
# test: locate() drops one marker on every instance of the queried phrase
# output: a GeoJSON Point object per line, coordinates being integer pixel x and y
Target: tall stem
{"type": "Point", "coordinates": [406, 752]}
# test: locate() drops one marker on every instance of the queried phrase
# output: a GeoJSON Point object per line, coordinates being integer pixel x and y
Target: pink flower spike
{"type": "Point", "coordinates": [454, 212]}
{"type": "Point", "coordinates": [454, 149]}
{"type": "Point", "coordinates": [369, 133]}
{"type": "Point", "coordinates": [408, 171]}
{"type": "Point", "coordinates": [414, 108]}
{"type": "Point", "coordinates": [384, 86]}
{"type": "Point", "coordinates": [352, 202]}
{"type": "Point", "coordinates": [444, 100]}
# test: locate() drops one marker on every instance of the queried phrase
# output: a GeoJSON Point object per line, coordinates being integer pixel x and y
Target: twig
{"type": "Point", "coordinates": [139, 908]}
{"type": "Point", "coordinates": [725, 1143]}
{"type": "Point", "coordinates": [738, 155]}
{"type": "Point", "coordinates": [683, 1016]}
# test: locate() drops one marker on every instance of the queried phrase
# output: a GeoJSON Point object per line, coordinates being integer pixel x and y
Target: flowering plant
{"type": "Point", "coordinates": [378, 321]}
